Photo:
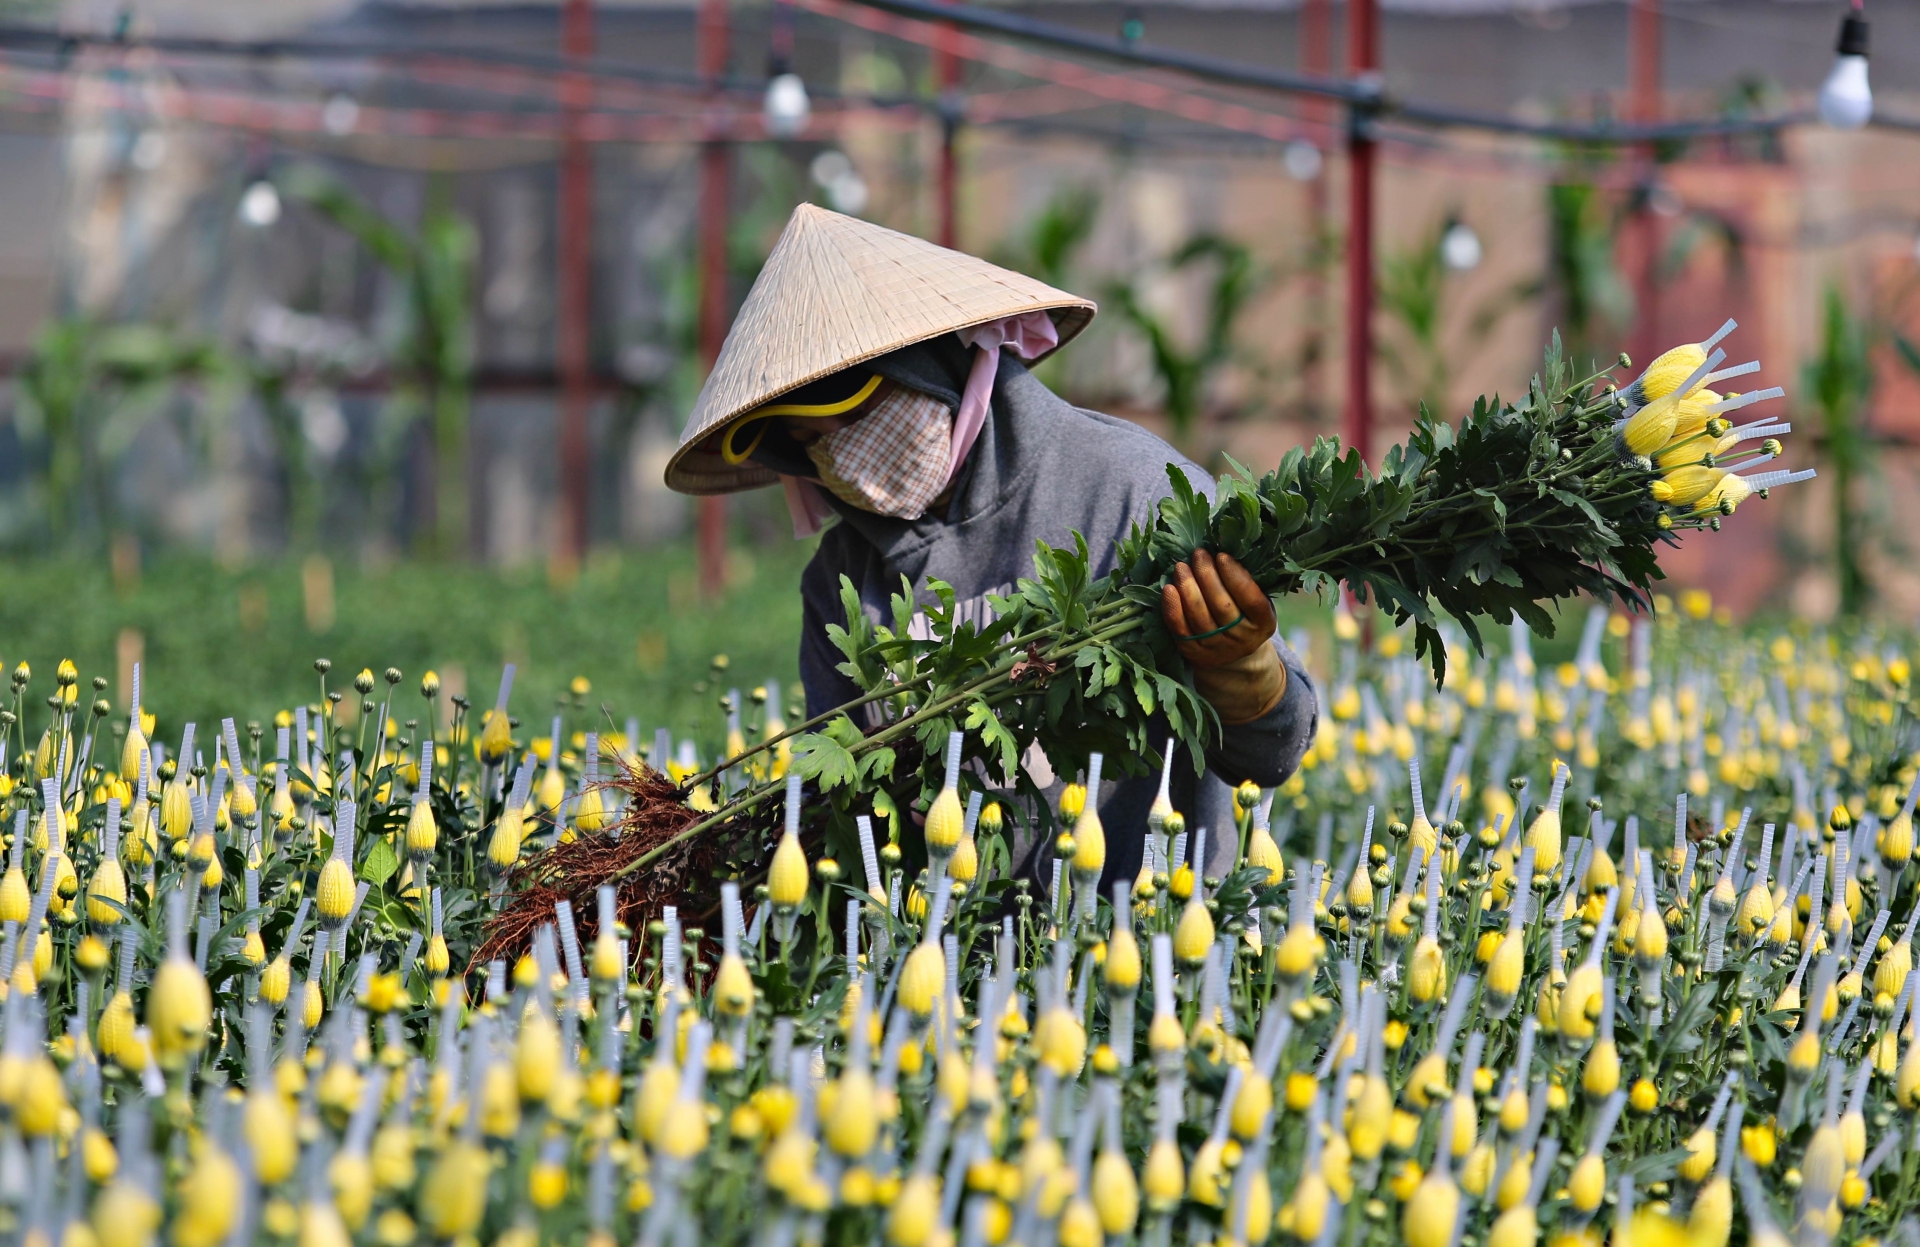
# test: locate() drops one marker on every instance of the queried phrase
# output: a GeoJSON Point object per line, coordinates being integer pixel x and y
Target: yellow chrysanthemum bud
{"type": "Point", "coordinates": [1121, 971]}
{"type": "Point", "coordinates": [98, 1155]}
{"type": "Point", "coordinates": [964, 866]}
{"type": "Point", "coordinates": [1370, 1118]}
{"type": "Point", "coordinates": [546, 1185]}
{"type": "Point", "coordinates": [1061, 1041]}
{"type": "Point", "coordinates": [1702, 1150]}
{"type": "Point", "coordinates": [453, 1199]}
{"type": "Point", "coordinates": [1163, 1179]}
{"type": "Point", "coordinates": [1543, 837]}
{"type": "Point", "coordinates": [334, 895]}
{"type": "Point", "coordinates": [107, 893]}
{"type": "Point", "coordinates": [503, 847]}
{"type": "Point", "coordinates": [853, 1125]}
{"type": "Point", "coordinates": [946, 821]}
{"type": "Point", "coordinates": [1427, 977]}
{"type": "Point", "coordinates": [1251, 1106]}
{"type": "Point", "coordinates": [1587, 1183]}
{"type": "Point", "coordinates": [1518, 1226]}
{"type": "Point", "coordinates": [116, 1026]}
{"type": "Point", "coordinates": [1710, 1222]}
{"type": "Point", "coordinates": [125, 1216]}
{"type": "Point", "coordinates": [1194, 934]}
{"type": "Point", "coordinates": [923, 979]}
{"type": "Point", "coordinates": [41, 1098]}
{"type": "Point", "coordinates": [732, 986]}
{"type": "Point", "coordinates": [1429, 1216]}
{"type": "Point", "coordinates": [179, 1009]}
{"type": "Point", "coordinates": [423, 833]}
{"type": "Point", "coordinates": [437, 959]}
{"type": "Point", "coordinates": [496, 737]}
{"type": "Point", "coordinates": [1600, 1076]}
{"type": "Point", "coordinates": [1116, 1195]}
{"type": "Point", "coordinates": [787, 876]}
{"type": "Point", "coordinates": [176, 809]}
{"type": "Point", "coordinates": [537, 1057]}
{"type": "Point", "coordinates": [209, 1200]}
{"type": "Point", "coordinates": [1264, 854]}
{"type": "Point", "coordinates": [1579, 1003]}
{"type": "Point", "coordinates": [16, 898]}
{"type": "Point", "coordinates": [275, 981]}
{"type": "Point", "coordinates": [270, 1135]}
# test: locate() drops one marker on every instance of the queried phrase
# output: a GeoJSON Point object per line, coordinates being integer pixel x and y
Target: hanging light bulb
{"type": "Point", "coordinates": [340, 114]}
{"type": "Point", "coordinates": [260, 204]}
{"type": "Point", "coordinates": [1301, 159]}
{"type": "Point", "coordinates": [787, 107]}
{"type": "Point", "coordinates": [1460, 248]}
{"type": "Point", "coordinates": [848, 194]}
{"type": "Point", "coordinates": [1846, 101]}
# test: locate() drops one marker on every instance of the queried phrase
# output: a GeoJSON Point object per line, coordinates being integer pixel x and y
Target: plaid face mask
{"type": "Point", "coordinates": [894, 460]}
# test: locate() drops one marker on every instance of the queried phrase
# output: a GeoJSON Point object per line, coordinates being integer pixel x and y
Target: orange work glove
{"type": "Point", "coordinates": [1222, 623]}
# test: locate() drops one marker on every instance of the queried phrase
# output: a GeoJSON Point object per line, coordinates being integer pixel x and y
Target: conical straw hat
{"type": "Point", "coordinates": [835, 292]}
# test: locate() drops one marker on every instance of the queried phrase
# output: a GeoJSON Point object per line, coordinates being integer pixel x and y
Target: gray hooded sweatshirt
{"type": "Point", "coordinates": [1040, 470]}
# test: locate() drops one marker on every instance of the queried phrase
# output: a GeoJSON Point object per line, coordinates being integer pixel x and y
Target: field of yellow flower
{"type": "Point", "coordinates": [1614, 952]}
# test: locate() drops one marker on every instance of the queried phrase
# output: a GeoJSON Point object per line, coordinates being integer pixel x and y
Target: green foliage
{"type": "Point", "coordinates": [1413, 286]}
{"type": "Point", "coordinates": [1185, 370]}
{"type": "Point", "coordinates": [434, 357]}
{"type": "Point", "coordinates": [1054, 236]}
{"type": "Point", "coordinates": [1839, 378]}
{"type": "Point", "coordinates": [83, 393]}
{"type": "Point", "coordinates": [1583, 233]}
{"type": "Point", "coordinates": [1523, 506]}
{"type": "Point", "coordinates": [234, 641]}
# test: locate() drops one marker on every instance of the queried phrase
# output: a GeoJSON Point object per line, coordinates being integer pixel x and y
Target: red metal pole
{"type": "Point", "coordinates": [715, 303]}
{"type": "Point", "coordinates": [1316, 57]}
{"type": "Point", "coordinates": [1363, 57]}
{"type": "Point", "coordinates": [1643, 42]}
{"type": "Point", "coordinates": [946, 73]}
{"type": "Point", "coordinates": [574, 321]}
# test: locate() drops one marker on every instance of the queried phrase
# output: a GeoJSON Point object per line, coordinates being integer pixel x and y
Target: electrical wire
{"type": "Point", "coordinates": [1366, 94]}
{"type": "Point", "coordinates": [699, 110]}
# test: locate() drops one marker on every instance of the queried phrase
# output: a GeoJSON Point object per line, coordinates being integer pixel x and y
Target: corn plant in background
{"type": "Point", "coordinates": [82, 396]}
{"type": "Point", "coordinates": [1839, 379]}
{"type": "Point", "coordinates": [434, 357]}
{"type": "Point", "coordinates": [1185, 370]}
{"type": "Point", "coordinates": [1591, 298]}
{"type": "Point", "coordinates": [1427, 347]}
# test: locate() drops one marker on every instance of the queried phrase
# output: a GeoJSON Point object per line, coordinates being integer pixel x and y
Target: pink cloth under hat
{"type": "Point", "coordinates": [1028, 335]}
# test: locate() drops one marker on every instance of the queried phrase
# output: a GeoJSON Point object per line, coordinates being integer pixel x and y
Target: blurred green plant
{"type": "Point", "coordinates": [84, 393]}
{"type": "Point", "coordinates": [272, 386]}
{"type": "Point", "coordinates": [433, 359]}
{"type": "Point", "coordinates": [1047, 247]}
{"type": "Point", "coordinates": [1184, 370]}
{"type": "Point", "coordinates": [1413, 290]}
{"type": "Point", "coordinates": [1695, 230]}
{"type": "Point", "coordinates": [1839, 379]}
{"type": "Point", "coordinates": [1583, 233]}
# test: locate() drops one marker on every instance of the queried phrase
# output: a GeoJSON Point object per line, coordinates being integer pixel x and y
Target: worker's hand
{"type": "Point", "coordinates": [1222, 623]}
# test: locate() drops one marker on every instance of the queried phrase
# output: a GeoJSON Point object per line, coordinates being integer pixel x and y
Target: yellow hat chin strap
{"type": "Point", "coordinates": [735, 455]}
{"type": "Point", "coordinates": [758, 419]}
